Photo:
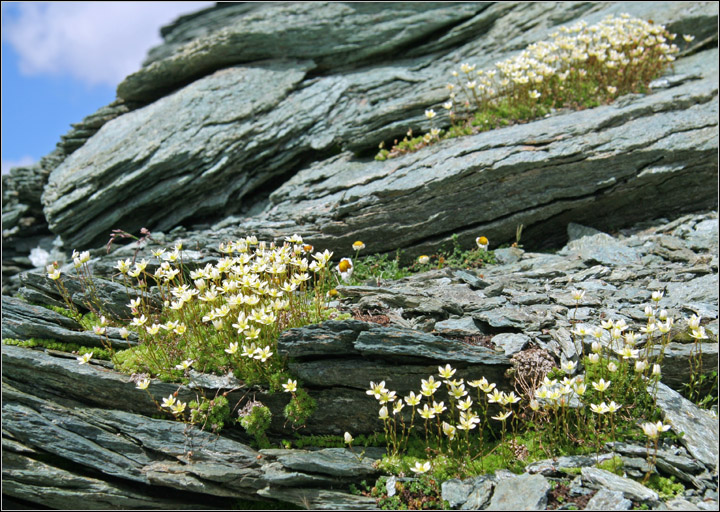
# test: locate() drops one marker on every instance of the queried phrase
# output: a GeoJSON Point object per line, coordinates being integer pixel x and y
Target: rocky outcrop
{"type": "Point", "coordinates": [297, 126]}
{"type": "Point", "coordinates": [262, 119]}
{"type": "Point", "coordinates": [443, 316]}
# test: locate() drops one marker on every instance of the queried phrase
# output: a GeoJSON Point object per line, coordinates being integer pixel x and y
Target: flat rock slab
{"type": "Point", "coordinates": [606, 499]}
{"type": "Point", "coordinates": [700, 427]}
{"type": "Point", "coordinates": [596, 478]}
{"type": "Point", "coordinates": [533, 495]}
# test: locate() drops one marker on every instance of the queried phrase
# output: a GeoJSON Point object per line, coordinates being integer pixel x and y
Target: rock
{"type": "Point", "coordinates": [480, 495]}
{"type": "Point", "coordinates": [511, 343]}
{"type": "Point", "coordinates": [37, 482]}
{"type": "Point", "coordinates": [464, 326]}
{"type": "Point", "coordinates": [554, 467]}
{"type": "Point", "coordinates": [700, 427]}
{"type": "Point", "coordinates": [680, 504]}
{"type": "Point", "coordinates": [577, 231]}
{"type": "Point", "coordinates": [319, 499]}
{"type": "Point", "coordinates": [326, 33]}
{"type": "Point", "coordinates": [289, 152]}
{"type": "Point", "coordinates": [596, 478]}
{"type": "Point", "coordinates": [606, 499]}
{"type": "Point", "coordinates": [330, 461]}
{"type": "Point", "coordinates": [113, 155]}
{"type": "Point", "coordinates": [456, 492]}
{"type": "Point", "coordinates": [533, 497]}
{"type": "Point", "coordinates": [224, 157]}
{"type": "Point", "coordinates": [509, 255]}
{"type": "Point", "coordinates": [602, 249]}
{"type": "Point", "coordinates": [23, 321]}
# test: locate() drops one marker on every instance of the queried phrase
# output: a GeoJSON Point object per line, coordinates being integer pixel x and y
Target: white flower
{"type": "Point", "coordinates": [185, 364]}
{"type": "Point", "coordinates": [85, 358]}
{"type": "Point", "coordinates": [569, 367]}
{"type": "Point", "coordinates": [143, 384]}
{"type": "Point", "coordinates": [348, 438]}
{"type": "Point", "coordinates": [291, 386]}
{"type": "Point", "coordinates": [577, 295]}
{"type": "Point", "coordinates": [430, 113]}
{"type": "Point", "coordinates": [345, 268]}
{"type": "Point", "coordinates": [421, 468]}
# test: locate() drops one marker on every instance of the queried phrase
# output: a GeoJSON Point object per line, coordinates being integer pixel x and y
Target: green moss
{"type": "Point", "coordinates": [614, 465]}
{"type": "Point", "coordinates": [667, 488]}
{"type": "Point", "coordinates": [300, 408]}
{"type": "Point", "coordinates": [256, 424]}
{"type": "Point", "coordinates": [571, 471]}
{"type": "Point", "coordinates": [98, 353]}
{"type": "Point", "coordinates": [211, 414]}
{"type": "Point", "coordinates": [63, 311]}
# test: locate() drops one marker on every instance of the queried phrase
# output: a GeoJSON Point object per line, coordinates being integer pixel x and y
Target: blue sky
{"type": "Point", "coordinates": [63, 60]}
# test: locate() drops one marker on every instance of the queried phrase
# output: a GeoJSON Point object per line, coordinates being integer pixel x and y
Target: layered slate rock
{"type": "Point", "coordinates": [179, 160]}
{"type": "Point", "coordinates": [117, 454]}
{"type": "Point", "coordinates": [337, 360]}
{"type": "Point", "coordinates": [533, 495]}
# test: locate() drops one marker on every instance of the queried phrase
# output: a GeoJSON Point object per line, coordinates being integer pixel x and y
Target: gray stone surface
{"type": "Point", "coordinates": [262, 119]}
{"type": "Point", "coordinates": [458, 327]}
{"type": "Point", "coordinates": [480, 495]}
{"type": "Point", "coordinates": [339, 198]}
{"type": "Point", "coordinates": [511, 343]}
{"type": "Point", "coordinates": [700, 426]}
{"type": "Point", "coordinates": [596, 478]}
{"type": "Point", "coordinates": [456, 492]}
{"type": "Point", "coordinates": [606, 499]}
{"type": "Point", "coordinates": [533, 495]}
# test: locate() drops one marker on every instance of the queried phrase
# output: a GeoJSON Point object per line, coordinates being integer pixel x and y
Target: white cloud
{"type": "Point", "coordinates": [22, 162]}
{"type": "Point", "coordinates": [94, 42]}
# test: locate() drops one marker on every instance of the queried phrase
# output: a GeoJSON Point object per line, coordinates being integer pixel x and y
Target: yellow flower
{"type": "Point", "coordinates": [612, 407]}
{"type": "Point", "coordinates": [345, 268]}
{"type": "Point", "coordinates": [496, 397]}
{"type": "Point", "coordinates": [482, 242]}
{"type": "Point", "coordinates": [185, 364]}
{"type": "Point", "coordinates": [358, 246]}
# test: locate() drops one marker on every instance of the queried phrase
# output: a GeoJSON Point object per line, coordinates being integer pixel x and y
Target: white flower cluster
{"type": "Point", "coordinates": [249, 290]}
{"type": "Point", "coordinates": [622, 44]}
